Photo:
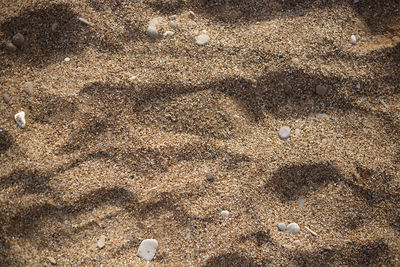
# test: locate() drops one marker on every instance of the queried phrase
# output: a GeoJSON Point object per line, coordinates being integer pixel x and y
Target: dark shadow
{"type": "Point", "coordinates": [373, 253]}
{"type": "Point", "coordinates": [379, 15]}
{"type": "Point", "coordinates": [6, 141]}
{"type": "Point", "coordinates": [44, 46]}
{"type": "Point", "coordinates": [233, 259]}
{"type": "Point", "coordinates": [51, 109]}
{"type": "Point", "coordinates": [292, 181]}
{"type": "Point", "coordinates": [259, 237]}
{"type": "Point", "coordinates": [32, 182]}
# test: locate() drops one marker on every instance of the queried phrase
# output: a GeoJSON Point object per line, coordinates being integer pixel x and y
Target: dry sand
{"type": "Point", "coordinates": [119, 139]}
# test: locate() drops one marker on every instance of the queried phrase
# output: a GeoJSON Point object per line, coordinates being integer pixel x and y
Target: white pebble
{"type": "Point", "coordinates": [147, 249]}
{"type": "Point", "coordinates": [102, 241]}
{"type": "Point", "coordinates": [67, 59]}
{"type": "Point", "coordinates": [168, 33]}
{"type": "Point", "coordinates": [202, 39]}
{"type": "Point", "coordinates": [20, 119]}
{"type": "Point", "coordinates": [353, 40]}
{"type": "Point", "coordinates": [284, 132]}
{"type": "Point", "coordinates": [293, 228]}
{"type": "Point", "coordinates": [225, 213]}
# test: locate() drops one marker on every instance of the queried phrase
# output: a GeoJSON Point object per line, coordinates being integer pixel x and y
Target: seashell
{"type": "Point", "coordinates": [20, 119]}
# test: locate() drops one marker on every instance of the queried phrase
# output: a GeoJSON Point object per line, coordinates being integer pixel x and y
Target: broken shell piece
{"type": "Point", "coordinates": [84, 21]}
{"type": "Point", "coordinates": [20, 119]}
{"type": "Point", "coordinates": [168, 33]}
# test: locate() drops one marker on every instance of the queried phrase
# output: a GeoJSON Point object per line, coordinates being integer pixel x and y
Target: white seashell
{"type": "Point", "coordinates": [20, 119]}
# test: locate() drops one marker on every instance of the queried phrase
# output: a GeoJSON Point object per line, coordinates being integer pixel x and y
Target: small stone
{"type": "Point", "coordinates": [102, 242]}
{"type": "Point", "coordinates": [225, 213]}
{"type": "Point", "coordinates": [147, 249]}
{"type": "Point", "coordinates": [353, 40]}
{"type": "Point", "coordinates": [29, 88]}
{"type": "Point", "coordinates": [282, 227]}
{"type": "Point", "coordinates": [168, 33]}
{"type": "Point", "coordinates": [54, 26]}
{"type": "Point", "coordinates": [20, 119]}
{"type": "Point", "coordinates": [52, 260]}
{"type": "Point", "coordinates": [296, 61]}
{"type": "Point", "coordinates": [284, 132]}
{"type": "Point", "coordinates": [297, 132]}
{"type": "Point", "coordinates": [18, 40]}
{"type": "Point", "coordinates": [152, 31]}
{"type": "Point", "coordinates": [210, 177]}
{"type": "Point", "coordinates": [10, 47]}
{"type": "Point", "coordinates": [84, 21]}
{"type": "Point", "coordinates": [67, 59]}
{"type": "Point", "coordinates": [173, 17]}
{"type": "Point", "coordinates": [297, 242]}
{"type": "Point", "coordinates": [301, 200]}
{"type": "Point", "coordinates": [321, 90]}
{"type": "Point", "coordinates": [172, 24]}
{"type": "Point", "coordinates": [288, 89]}
{"type": "Point", "coordinates": [6, 98]}
{"type": "Point", "coordinates": [202, 39]}
{"type": "Point", "coordinates": [293, 228]}
{"type": "Point", "coordinates": [191, 15]}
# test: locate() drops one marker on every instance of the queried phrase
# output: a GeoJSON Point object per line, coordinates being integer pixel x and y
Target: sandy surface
{"type": "Point", "coordinates": [119, 139]}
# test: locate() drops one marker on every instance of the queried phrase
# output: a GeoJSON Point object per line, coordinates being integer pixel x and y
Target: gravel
{"type": "Point", "coordinates": [147, 249]}
{"type": "Point", "coordinates": [284, 132]}
{"type": "Point", "coordinates": [293, 228]}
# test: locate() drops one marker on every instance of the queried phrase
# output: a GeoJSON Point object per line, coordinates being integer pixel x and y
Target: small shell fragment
{"type": "Point", "coordinates": [20, 119]}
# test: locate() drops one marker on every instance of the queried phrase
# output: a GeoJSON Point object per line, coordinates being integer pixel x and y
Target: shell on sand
{"type": "Point", "coordinates": [20, 119]}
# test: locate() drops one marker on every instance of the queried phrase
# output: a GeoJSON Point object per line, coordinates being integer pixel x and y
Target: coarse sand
{"type": "Point", "coordinates": [119, 139]}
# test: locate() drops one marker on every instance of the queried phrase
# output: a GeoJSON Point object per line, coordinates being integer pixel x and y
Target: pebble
{"type": "Point", "coordinates": [168, 33]}
{"type": "Point", "coordinates": [20, 119]}
{"type": "Point", "coordinates": [172, 24]}
{"type": "Point", "coordinates": [147, 249]}
{"type": "Point", "coordinates": [297, 132]}
{"type": "Point", "coordinates": [301, 200]}
{"type": "Point", "coordinates": [191, 15]}
{"type": "Point", "coordinates": [293, 228]}
{"type": "Point", "coordinates": [152, 31]}
{"type": "Point", "coordinates": [52, 260]}
{"type": "Point", "coordinates": [297, 242]}
{"type": "Point", "coordinates": [210, 176]}
{"type": "Point", "coordinates": [353, 39]}
{"type": "Point", "coordinates": [84, 21]}
{"type": "Point", "coordinates": [173, 17]}
{"type": "Point", "coordinates": [282, 227]}
{"type": "Point", "coordinates": [284, 133]}
{"type": "Point", "coordinates": [321, 90]}
{"type": "Point", "coordinates": [288, 89]}
{"type": "Point", "coordinates": [295, 61]}
{"type": "Point", "coordinates": [10, 47]}
{"type": "Point", "coordinates": [29, 88]}
{"type": "Point", "coordinates": [225, 213]}
{"type": "Point", "coordinates": [6, 98]}
{"type": "Point", "coordinates": [102, 242]}
{"type": "Point", "coordinates": [67, 59]}
{"type": "Point", "coordinates": [18, 40]}
{"type": "Point", "coordinates": [202, 39]}
{"type": "Point", "coordinates": [54, 26]}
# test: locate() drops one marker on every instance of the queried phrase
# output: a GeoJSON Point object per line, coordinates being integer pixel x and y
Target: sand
{"type": "Point", "coordinates": [119, 140]}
